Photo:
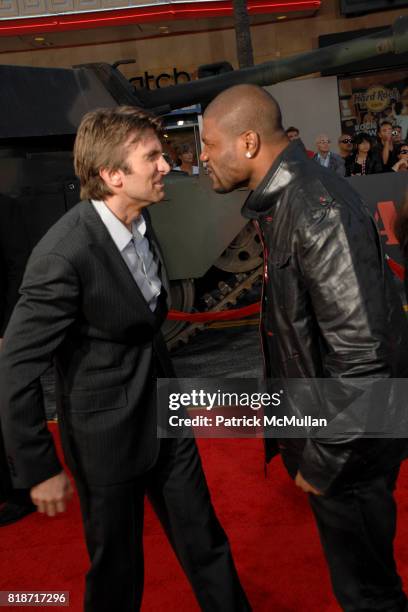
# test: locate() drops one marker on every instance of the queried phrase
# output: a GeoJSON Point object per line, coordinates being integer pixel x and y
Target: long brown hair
{"type": "Point", "coordinates": [401, 226]}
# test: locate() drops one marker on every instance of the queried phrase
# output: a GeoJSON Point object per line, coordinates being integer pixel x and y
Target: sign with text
{"type": "Point", "coordinates": [336, 409]}
{"type": "Point", "coordinates": [369, 99]}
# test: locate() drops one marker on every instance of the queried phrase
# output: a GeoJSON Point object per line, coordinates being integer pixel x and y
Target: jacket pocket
{"type": "Point", "coordinates": [96, 401]}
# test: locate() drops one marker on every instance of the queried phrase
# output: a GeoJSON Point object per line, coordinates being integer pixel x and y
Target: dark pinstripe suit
{"type": "Point", "coordinates": [81, 306]}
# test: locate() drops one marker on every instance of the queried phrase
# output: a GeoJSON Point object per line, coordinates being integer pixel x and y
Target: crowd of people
{"type": "Point", "coordinates": [361, 153]}
{"type": "Point", "coordinates": [358, 154]}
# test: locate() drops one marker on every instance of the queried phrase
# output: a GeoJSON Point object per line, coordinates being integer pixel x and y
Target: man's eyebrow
{"type": "Point", "coordinates": [153, 153]}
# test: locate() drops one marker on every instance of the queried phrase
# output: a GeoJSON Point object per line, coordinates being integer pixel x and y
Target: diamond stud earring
{"type": "Point", "coordinates": [248, 155]}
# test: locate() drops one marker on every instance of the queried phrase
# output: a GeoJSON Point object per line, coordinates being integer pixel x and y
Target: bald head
{"type": "Point", "coordinates": [242, 135]}
{"type": "Point", "coordinates": [247, 107]}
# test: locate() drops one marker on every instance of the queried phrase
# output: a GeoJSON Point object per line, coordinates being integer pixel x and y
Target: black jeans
{"type": "Point", "coordinates": [113, 521]}
{"type": "Point", "coordinates": [357, 529]}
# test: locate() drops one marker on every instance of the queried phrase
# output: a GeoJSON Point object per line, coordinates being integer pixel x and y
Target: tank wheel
{"type": "Point", "coordinates": [182, 298]}
{"type": "Point", "coordinates": [243, 254]}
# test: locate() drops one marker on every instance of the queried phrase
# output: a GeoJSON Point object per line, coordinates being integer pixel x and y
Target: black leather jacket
{"type": "Point", "coordinates": [329, 307]}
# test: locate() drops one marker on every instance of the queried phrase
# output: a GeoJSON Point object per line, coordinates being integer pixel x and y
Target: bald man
{"type": "Point", "coordinates": [327, 158]}
{"type": "Point", "coordinates": [329, 310]}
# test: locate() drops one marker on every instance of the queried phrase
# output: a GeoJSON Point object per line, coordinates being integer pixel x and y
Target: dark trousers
{"type": "Point", "coordinates": [113, 520]}
{"type": "Point", "coordinates": [357, 529]}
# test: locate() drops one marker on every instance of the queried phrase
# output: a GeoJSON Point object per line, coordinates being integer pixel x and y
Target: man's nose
{"type": "Point", "coordinates": [204, 156]}
{"type": "Point", "coordinates": [164, 166]}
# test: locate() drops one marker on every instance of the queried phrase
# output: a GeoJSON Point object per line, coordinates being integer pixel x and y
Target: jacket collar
{"type": "Point", "coordinates": [101, 240]}
{"type": "Point", "coordinates": [278, 177]}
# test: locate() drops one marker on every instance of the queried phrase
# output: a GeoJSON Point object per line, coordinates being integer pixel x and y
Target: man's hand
{"type": "Point", "coordinates": [52, 495]}
{"type": "Point", "coordinates": [305, 486]}
{"type": "Point", "coordinates": [400, 166]}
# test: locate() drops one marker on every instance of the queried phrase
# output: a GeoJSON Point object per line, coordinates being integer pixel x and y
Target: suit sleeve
{"type": "Point", "coordinates": [14, 253]}
{"type": "Point", "coordinates": [48, 306]}
{"type": "Point", "coordinates": [341, 264]}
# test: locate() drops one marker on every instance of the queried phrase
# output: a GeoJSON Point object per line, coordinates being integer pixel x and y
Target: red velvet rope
{"type": "Point", "coordinates": [222, 315]}
{"type": "Point", "coordinates": [240, 313]}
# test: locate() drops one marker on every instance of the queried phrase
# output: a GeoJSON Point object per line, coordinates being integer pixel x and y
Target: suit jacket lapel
{"type": "Point", "coordinates": [158, 252]}
{"type": "Point", "coordinates": [106, 250]}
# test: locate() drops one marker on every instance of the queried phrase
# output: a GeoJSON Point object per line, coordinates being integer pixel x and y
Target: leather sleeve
{"type": "Point", "coordinates": [48, 306]}
{"type": "Point", "coordinates": [341, 261]}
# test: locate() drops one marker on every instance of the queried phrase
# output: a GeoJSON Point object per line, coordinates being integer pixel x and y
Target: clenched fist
{"type": "Point", "coordinates": [52, 495]}
{"type": "Point", "coordinates": [305, 486]}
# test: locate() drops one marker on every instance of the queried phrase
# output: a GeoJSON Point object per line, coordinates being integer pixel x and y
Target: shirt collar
{"type": "Point", "coordinates": [120, 234]}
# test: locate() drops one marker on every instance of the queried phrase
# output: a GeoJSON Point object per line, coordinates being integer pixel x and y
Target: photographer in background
{"type": "Point", "coordinates": [345, 143]}
{"type": "Point", "coordinates": [385, 146]}
{"type": "Point", "coordinates": [402, 154]}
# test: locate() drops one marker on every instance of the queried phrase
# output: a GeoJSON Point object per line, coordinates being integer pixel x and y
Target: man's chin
{"type": "Point", "coordinates": [222, 188]}
{"type": "Point", "coordinates": [160, 195]}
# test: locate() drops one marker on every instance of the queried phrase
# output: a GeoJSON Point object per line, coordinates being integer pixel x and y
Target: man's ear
{"type": "Point", "coordinates": [250, 143]}
{"type": "Point", "coordinates": [112, 178]}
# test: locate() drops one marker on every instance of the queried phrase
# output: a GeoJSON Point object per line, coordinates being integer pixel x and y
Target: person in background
{"type": "Point", "coordinates": [363, 160]}
{"type": "Point", "coordinates": [327, 158]}
{"type": "Point", "coordinates": [402, 154]}
{"type": "Point", "coordinates": [293, 133]}
{"type": "Point", "coordinates": [385, 146]}
{"type": "Point", "coordinates": [401, 114]}
{"type": "Point", "coordinates": [397, 134]}
{"type": "Point", "coordinates": [345, 145]}
{"type": "Point", "coordinates": [186, 155]}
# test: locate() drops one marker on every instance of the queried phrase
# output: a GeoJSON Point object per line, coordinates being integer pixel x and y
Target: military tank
{"type": "Point", "coordinates": [41, 108]}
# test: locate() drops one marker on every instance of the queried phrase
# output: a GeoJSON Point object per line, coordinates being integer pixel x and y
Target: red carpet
{"type": "Point", "coordinates": [269, 523]}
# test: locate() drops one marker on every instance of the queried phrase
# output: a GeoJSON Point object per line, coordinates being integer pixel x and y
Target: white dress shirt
{"type": "Point", "coordinates": [135, 250]}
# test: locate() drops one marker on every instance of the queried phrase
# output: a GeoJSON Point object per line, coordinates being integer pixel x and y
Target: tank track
{"type": "Point", "coordinates": [225, 297]}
